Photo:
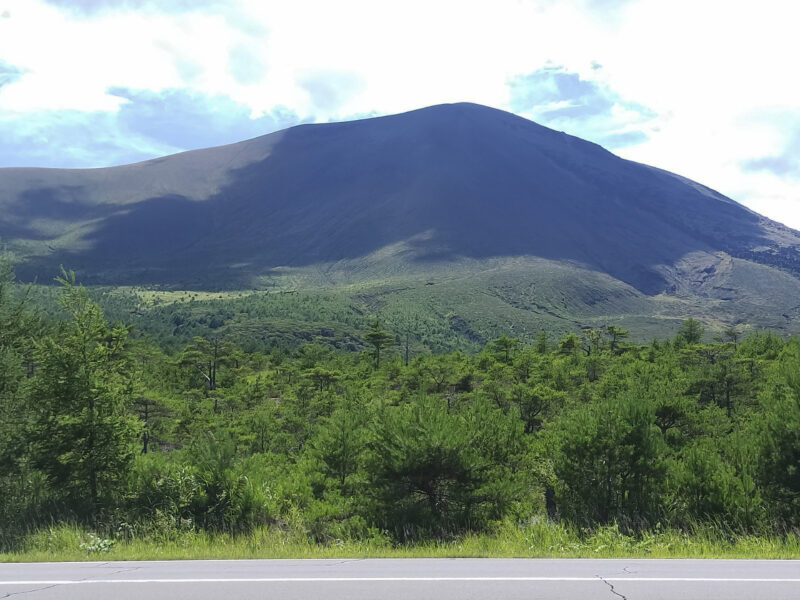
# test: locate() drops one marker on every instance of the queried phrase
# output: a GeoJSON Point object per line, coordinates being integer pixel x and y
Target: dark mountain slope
{"type": "Point", "coordinates": [451, 181]}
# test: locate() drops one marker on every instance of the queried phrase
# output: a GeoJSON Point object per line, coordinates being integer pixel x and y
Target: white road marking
{"type": "Point", "coordinates": [397, 579]}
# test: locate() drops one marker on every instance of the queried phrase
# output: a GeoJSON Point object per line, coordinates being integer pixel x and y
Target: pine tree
{"type": "Point", "coordinates": [84, 437]}
{"type": "Point", "coordinates": [691, 331]}
{"type": "Point", "coordinates": [15, 330]}
{"type": "Point", "coordinates": [379, 339]}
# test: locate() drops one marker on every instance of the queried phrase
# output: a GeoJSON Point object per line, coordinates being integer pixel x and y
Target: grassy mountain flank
{"type": "Point", "coordinates": [454, 308]}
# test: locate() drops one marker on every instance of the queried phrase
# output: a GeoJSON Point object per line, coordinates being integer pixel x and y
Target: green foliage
{"type": "Point", "coordinates": [616, 335]}
{"type": "Point", "coordinates": [83, 436]}
{"type": "Point", "coordinates": [182, 432]}
{"type": "Point", "coordinates": [433, 471]}
{"type": "Point", "coordinates": [96, 545]}
{"type": "Point", "coordinates": [504, 347]}
{"type": "Point", "coordinates": [780, 437]}
{"type": "Point", "coordinates": [716, 484]}
{"type": "Point", "coordinates": [609, 461]}
{"type": "Point", "coordinates": [15, 324]}
{"type": "Point", "coordinates": [379, 339]}
{"type": "Point", "coordinates": [339, 445]}
{"type": "Point", "coordinates": [691, 331]}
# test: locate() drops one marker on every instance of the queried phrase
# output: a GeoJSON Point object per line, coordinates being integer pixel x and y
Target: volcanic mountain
{"type": "Point", "coordinates": [458, 185]}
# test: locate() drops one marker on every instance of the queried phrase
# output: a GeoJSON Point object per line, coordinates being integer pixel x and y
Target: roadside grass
{"type": "Point", "coordinates": [537, 539]}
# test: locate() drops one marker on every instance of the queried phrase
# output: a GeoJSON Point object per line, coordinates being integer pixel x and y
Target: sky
{"type": "Point", "coordinates": [704, 88]}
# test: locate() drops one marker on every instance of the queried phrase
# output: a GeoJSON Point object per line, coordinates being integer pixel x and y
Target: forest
{"type": "Point", "coordinates": [109, 430]}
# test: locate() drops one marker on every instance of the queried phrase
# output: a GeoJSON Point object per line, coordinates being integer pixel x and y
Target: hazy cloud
{"type": "Point", "coordinates": [563, 100]}
{"type": "Point", "coordinates": [244, 65]}
{"type": "Point", "coordinates": [607, 4]}
{"type": "Point", "coordinates": [784, 164]}
{"type": "Point", "coordinates": [93, 7]}
{"type": "Point", "coordinates": [9, 73]}
{"type": "Point", "coordinates": [622, 139]}
{"type": "Point", "coordinates": [148, 125]}
{"type": "Point", "coordinates": [69, 138]}
{"type": "Point", "coordinates": [230, 11]}
{"type": "Point", "coordinates": [330, 89]}
{"type": "Point", "coordinates": [357, 116]}
{"type": "Point", "coordinates": [600, 9]}
{"type": "Point", "coordinates": [187, 68]}
{"type": "Point", "coordinates": [187, 119]}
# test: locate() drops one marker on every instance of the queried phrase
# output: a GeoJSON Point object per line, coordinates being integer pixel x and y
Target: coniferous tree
{"type": "Point", "coordinates": [379, 339]}
{"type": "Point", "coordinates": [691, 331]}
{"type": "Point", "coordinates": [84, 439]}
{"type": "Point", "coordinates": [13, 321]}
{"type": "Point", "coordinates": [781, 437]}
{"type": "Point", "coordinates": [433, 471]}
{"type": "Point", "coordinates": [17, 326]}
{"type": "Point", "coordinates": [609, 459]}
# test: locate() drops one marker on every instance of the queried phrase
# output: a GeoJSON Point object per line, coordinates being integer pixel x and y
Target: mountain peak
{"type": "Point", "coordinates": [451, 181]}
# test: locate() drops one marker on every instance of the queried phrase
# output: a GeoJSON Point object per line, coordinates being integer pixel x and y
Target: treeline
{"type": "Point", "coordinates": [106, 428]}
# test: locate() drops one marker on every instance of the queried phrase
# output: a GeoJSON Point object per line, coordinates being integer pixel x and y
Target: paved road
{"type": "Point", "coordinates": [383, 579]}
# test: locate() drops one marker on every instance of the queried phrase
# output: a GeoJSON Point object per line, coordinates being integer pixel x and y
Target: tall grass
{"type": "Point", "coordinates": [538, 538]}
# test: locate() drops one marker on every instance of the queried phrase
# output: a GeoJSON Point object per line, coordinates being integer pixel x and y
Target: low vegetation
{"type": "Point", "coordinates": [588, 444]}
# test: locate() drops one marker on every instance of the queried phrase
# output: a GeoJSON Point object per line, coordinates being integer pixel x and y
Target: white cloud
{"type": "Point", "coordinates": [562, 100]}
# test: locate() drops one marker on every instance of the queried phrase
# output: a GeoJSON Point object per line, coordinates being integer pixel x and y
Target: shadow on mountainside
{"type": "Point", "coordinates": [484, 182]}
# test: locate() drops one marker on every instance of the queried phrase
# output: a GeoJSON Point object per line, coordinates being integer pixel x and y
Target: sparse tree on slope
{"type": "Point", "coordinates": [379, 339]}
{"type": "Point", "coordinates": [691, 331]}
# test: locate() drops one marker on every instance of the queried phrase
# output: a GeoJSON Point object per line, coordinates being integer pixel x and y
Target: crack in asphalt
{"type": "Point", "coordinates": [611, 586]}
{"type": "Point", "coordinates": [47, 587]}
{"type": "Point", "coordinates": [344, 562]}
{"type": "Point", "coordinates": [125, 570]}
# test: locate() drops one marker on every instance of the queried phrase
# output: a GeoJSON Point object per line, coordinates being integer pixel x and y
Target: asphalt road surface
{"type": "Point", "coordinates": [383, 579]}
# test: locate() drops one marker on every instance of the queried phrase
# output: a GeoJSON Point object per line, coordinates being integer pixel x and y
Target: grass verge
{"type": "Point", "coordinates": [539, 539]}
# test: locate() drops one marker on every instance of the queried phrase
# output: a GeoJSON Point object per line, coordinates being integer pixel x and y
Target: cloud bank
{"type": "Point", "coordinates": [785, 163]}
{"type": "Point", "coordinates": [9, 73]}
{"type": "Point", "coordinates": [183, 118]}
{"type": "Point", "coordinates": [554, 97]}
{"type": "Point", "coordinates": [147, 124]}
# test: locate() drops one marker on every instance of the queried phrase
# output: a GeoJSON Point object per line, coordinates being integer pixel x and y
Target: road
{"type": "Point", "coordinates": [384, 579]}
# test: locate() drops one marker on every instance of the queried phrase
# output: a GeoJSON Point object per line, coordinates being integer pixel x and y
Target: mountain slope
{"type": "Point", "coordinates": [406, 194]}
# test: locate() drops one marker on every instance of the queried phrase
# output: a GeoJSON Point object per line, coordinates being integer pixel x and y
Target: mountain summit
{"type": "Point", "coordinates": [447, 183]}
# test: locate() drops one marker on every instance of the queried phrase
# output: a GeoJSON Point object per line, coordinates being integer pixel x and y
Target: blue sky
{"type": "Point", "coordinates": [703, 88]}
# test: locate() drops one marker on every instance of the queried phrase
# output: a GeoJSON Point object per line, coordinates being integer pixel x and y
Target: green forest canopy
{"type": "Point", "coordinates": [107, 427]}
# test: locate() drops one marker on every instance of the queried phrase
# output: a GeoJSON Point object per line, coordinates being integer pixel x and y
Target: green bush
{"type": "Point", "coordinates": [433, 472]}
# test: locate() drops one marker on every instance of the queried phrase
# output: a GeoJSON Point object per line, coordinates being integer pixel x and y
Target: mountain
{"type": "Point", "coordinates": [448, 191]}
